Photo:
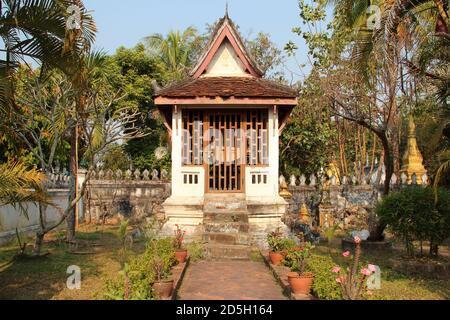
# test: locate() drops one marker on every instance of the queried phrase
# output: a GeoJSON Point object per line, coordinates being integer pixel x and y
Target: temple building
{"type": "Point", "coordinates": [225, 121]}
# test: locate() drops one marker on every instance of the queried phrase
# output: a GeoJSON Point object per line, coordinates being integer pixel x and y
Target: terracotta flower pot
{"type": "Point", "coordinates": [276, 257]}
{"type": "Point", "coordinates": [300, 284]}
{"type": "Point", "coordinates": [163, 288]}
{"type": "Point", "coordinates": [181, 255]}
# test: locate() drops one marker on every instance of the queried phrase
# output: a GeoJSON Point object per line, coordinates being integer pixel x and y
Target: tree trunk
{"type": "Point", "coordinates": [70, 234]}
{"type": "Point", "coordinates": [434, 249]}
{"type": "Point", "coordinates": [38, 243]}
{"type": "Point", "coordinates": [377, 232]}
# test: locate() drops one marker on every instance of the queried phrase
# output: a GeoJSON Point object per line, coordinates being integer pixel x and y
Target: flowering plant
{"type": "Point", "coordinates": [297, 258]}
{"type": "Point", "coordinates": [179, 238]}
{"type": "Point", "coordinates": [275, 241]}
{"type": "Point", "coordinates": [352, 282]}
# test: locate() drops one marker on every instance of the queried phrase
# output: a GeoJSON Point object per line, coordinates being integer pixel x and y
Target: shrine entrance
{"type": "Point", "coordinates": [225, 142]}
{"type": "Point", "coordinates": [225, 166]}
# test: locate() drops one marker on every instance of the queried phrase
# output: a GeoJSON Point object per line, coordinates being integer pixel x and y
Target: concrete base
{"type": "Point", "coordinates": [264, 216]}
{"type": "Point", "coordinates": [187, 213]}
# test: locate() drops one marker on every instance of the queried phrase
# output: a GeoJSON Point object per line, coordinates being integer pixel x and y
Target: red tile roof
{"type": "Point", "coordinates": [239, 87]}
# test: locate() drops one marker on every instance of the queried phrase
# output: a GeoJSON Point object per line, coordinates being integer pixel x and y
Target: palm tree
{"type": "Point", "coordinates": [176, 50]}
{"type": "Point", "coordinates": [39, 30]}
{"type": "Point", "coordinates": [355, 17]}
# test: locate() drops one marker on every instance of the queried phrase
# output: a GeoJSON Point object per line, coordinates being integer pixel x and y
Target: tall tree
{"type": "Point", "coordinates": [55, 33]}
{"type": "Point", "coordinates": [177, 50]}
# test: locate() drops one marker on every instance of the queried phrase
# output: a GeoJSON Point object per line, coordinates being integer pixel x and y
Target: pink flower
{"type": "Point", "coordinates": [336, 269]}
{"type": "Point", "coordinates": [357, 239]}
{"type": "Point", "coordinates": [372, 268]}
{"type": "Point", "coordinates": [338, 280]}
{"type": "Point", "coordinates": [366, 272]}
{"type": "Point", "coordinates": [346, 254]}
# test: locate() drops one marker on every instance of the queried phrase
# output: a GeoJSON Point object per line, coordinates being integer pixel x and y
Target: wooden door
{"type": "Point", "coordinates": [224, 165]}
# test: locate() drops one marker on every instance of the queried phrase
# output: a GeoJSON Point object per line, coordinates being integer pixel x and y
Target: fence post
{"type": "Point", "coordinates": [81, 178]}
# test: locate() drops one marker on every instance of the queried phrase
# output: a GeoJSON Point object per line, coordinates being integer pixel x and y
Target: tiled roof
{"type": "Point", "coordinates": [239, 87]}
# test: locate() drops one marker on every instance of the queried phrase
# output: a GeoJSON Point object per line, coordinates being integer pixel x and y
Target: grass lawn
{"type": "Point", "coordinates": [394, 285]}
{"type": "Point", "coordinates": [45, 278]}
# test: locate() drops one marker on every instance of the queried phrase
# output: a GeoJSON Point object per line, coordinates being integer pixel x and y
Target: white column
{"type": "Point", "coordinates": [274, 148]}
{"type": "Point", "coordinates": [177, 140]}
{"type": "Point", "coordinates": [80, 179]}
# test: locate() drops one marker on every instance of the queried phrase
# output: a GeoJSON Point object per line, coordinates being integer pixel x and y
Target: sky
{"type": "Point", "coordinates": [126, 23]}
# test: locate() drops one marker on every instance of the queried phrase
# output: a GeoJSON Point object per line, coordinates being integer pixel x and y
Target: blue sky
{"type": "Point", "coordinates": [125, 23]}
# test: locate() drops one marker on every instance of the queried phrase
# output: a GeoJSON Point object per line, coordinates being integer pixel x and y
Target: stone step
{"type": "Point", "coordinates": [228, 252]}
{"type": "Point", "coordinates": [225, 207]}
{"type": "Point", "coordinates": [226, 227]}
{"type": "Point", "coordinates": [217, 216]}
{"type": "Point", "coordinates": [225, 203]}
{"type": "Point", "coordinates": [226, 238]}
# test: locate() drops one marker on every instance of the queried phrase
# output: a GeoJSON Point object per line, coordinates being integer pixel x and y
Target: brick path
{"type": "Point", "coordinates": [229, 280]}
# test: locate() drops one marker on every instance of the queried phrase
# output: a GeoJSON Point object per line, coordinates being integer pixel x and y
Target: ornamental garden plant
{"type": "Point", "coordinates": [352, 280]}
{"type": "Point", "coordinates": [178, 243]}
{"type": "Point", "coordinates": [278, 245]}
{"type": "Point", "coordinates": [146, 276]}
{"type": "Point", "coordinates": [298, 258]}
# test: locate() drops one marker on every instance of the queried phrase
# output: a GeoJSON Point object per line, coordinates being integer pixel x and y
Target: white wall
{"type": "Point", "coordinates": [270, 172]}
{"type": "Point", "coordinates": [12, 218]}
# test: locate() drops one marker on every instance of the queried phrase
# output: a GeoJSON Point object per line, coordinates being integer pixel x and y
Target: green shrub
{"type": "Point", "coordinates": [324, 285]}
{"type": "Point", "coordinates": [139, 275]}
{"type": "Point", "coordinates": [278, 243]}
{"type": "Point", "coordinates": [298, 258]}
{"type": "Point", "coordinates": [196, 251]}
{"type": "Point", "coordinates": [412, 214]}
{"type": "Point", "coordinates": [138, 282]}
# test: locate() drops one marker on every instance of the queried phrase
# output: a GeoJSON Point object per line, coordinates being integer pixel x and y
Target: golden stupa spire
{"type": "Point", "coordinates": [412, 159]}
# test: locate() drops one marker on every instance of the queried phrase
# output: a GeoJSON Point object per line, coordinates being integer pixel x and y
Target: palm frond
{"type": "Point", "coordinates": [442, 171]}
{"type": "Point", "coordinates": [19, 184]}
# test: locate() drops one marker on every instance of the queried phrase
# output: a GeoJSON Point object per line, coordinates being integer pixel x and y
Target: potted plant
{"type": "Point", "coordinates": [276, 244]}
{"type": "Point", "coordinates": [180, 251]}
{"type": "Point", "coordinates": [163, 285]}
{"type": "Point", "coordinates": [297, 259]}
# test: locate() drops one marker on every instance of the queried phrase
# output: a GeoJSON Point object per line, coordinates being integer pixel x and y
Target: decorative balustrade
{"type": "Point", "coordinates": [58, 180]}
{"type": "Point", "coordinates": [320, 179]}
{"type": "Point", "coordinates": [62, 180]}
{"type": "Point", "coordinates": [129, 175]}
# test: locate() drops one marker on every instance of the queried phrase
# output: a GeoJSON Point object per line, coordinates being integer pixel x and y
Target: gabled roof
{"type": "Point", "coordinates": [205, 87]}
{"type": "Point", "coordinates": [224, 30]}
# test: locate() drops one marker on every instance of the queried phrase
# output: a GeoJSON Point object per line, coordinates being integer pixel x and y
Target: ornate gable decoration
{"type": "Point", "coordinates": [226, 55]}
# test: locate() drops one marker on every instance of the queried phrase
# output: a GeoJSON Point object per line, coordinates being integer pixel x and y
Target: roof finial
{"type": "Point", "coordinates": [226, 9]}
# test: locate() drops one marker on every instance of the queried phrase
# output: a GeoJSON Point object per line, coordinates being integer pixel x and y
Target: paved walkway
{"type": "Point", "coordinates": [229, 280]}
